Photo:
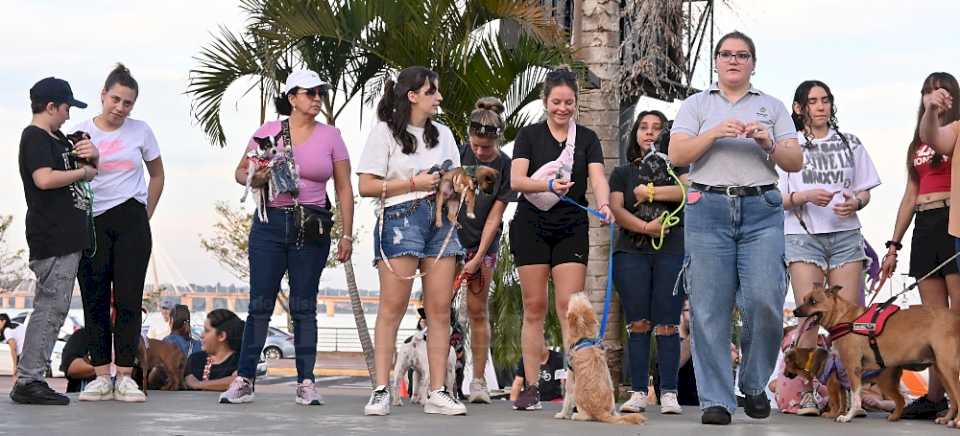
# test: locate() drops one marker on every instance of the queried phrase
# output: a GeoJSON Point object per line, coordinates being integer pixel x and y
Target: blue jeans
{"type": "Point", "coordinates": [273, 251]}
{"type": "Point", "coordinates": [645, 283]}
{"type": "Point", "coordinates": [734, 257]}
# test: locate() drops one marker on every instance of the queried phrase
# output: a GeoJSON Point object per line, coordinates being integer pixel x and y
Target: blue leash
{"type": "Point", "coordinates": [609, 293]}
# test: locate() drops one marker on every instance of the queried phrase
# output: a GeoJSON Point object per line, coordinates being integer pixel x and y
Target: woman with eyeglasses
{"type": "Point", "coordinates": [480, 236]}
{"type": "Point", "coordinates": [733, 136]}
{"type": "Point", "coordinates": [284, 240]}
{"type": "Point", "coordinates": [549, 238]}
{"type": "Point", "coordinates": [823, 239]}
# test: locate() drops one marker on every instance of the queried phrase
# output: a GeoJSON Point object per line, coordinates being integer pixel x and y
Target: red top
{"type": "Point", "coordinates": [931, 179]}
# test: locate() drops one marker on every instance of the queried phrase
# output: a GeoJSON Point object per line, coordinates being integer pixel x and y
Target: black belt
{"type": "Point", "coordinates": [735, 191]}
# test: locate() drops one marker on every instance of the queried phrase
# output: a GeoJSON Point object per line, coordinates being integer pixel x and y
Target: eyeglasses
{"type": "Point", "coordinates": [741, 56]}
{"type": "Point", "coordinates": [484, 130]}
{"type": "Point", "coordinates": [313, 92]}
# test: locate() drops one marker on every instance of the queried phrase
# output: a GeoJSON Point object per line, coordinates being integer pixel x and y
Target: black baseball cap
{"type": "Point", "coordinates": [54, 90]}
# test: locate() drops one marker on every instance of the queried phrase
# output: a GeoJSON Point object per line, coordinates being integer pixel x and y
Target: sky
{"type": "Point", "coordinates": [873, 54]}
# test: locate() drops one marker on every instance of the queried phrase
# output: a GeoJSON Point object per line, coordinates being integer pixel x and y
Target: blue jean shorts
{"type": "Point", "coordinates": [825, 250]}
{"type": "Point", "coordinates": [409, 230]}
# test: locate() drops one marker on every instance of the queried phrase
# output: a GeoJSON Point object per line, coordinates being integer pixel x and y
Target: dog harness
{"type": "Point", "coordinates": [870, 324]}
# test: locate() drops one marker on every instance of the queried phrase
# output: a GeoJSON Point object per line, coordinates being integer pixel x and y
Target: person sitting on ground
{"type": "Point", "coordinates": [214, 367]}
{"type": "Point", "coordinates": [181, 334]}
{"type": "Point", "coordinates": [75, 361]}
{"type": "Point", "coordinates": [552, 375]}
{"type": "Point", "coordinates": [12, 334]}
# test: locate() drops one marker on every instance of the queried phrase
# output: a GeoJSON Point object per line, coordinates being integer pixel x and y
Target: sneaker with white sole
{"type": "Point", "coordinates": [669, 404]}
{"type": "Point", "coordinates": [308, 394]}
{"type": "Point", "coordinates": [126, 390]}
{"type": "Point", "coordinates": [442, 402]}
{"type": "Point", "coordinates": [636, 404]}
{"type": "Point", "coordinates": [100, 389]}
{"type": "Point", "coordinates": [808, 405]}
{"type": "Point", "coordinates": [479, 392]}
{"type": "Point", "coordinates": [379, 404]}
{"type": "Point", "coordinates": [240, 391]}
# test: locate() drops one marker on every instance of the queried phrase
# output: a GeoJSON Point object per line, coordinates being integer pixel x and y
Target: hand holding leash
{"type": "Point", "coordinates": [559, 186]}
{"type": "Point", "coordinates": [425, 181]}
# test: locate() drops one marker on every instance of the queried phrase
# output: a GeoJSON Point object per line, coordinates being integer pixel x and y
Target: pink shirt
{"type": "Point", "coordinates": [314, 159]}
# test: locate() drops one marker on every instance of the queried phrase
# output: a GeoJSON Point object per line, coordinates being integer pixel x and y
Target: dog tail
{"type": "Point", "coordinates": [630, 418]}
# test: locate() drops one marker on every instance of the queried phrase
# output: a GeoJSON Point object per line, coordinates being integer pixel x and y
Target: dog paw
{"type": "Point", "coordinates": [843, 418]}
{"type": "Point", "coordinates": [561, 415]}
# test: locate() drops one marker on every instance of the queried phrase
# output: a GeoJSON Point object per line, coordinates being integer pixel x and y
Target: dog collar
{"type": "Point", "coordinates": [587, 343]}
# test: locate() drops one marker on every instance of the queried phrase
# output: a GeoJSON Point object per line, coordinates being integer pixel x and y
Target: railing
{"type": "Point", "coordinates": [347, 340]}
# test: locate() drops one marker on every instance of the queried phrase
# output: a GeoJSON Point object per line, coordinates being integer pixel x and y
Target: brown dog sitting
{"type": "Point", "coordinates": [460, 184]}
{"type": "Point", "coordinates": [911, 338]}
{"type": "Point", "coordinates": [816, 363]}
{"type": "Point", "coordinates": [162, 364]}
{"type": "Point", "coordinates": [592, 391]}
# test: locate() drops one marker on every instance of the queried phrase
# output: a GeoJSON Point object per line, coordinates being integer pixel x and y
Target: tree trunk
{"type": "Point", "coordinates": [358, 315]}
{"type": "Point", "coordinates": [597, 44]}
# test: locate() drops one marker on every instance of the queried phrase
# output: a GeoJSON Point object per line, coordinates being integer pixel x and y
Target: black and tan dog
{"type": "Point", "coordinates": [816, 363]}
{"type": "Point", "coordinates": [460, 184]}
{"type": "Point", "coordinates": [912, 338]}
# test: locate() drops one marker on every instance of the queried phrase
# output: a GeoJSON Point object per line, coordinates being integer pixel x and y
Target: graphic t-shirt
{"type": "Point", "coordinates": [314, 159]}
{"type": "Point", "coordinates": [122, 153]}
{"type": "Point", "coordinates": [832, 165]}
{"type": "Point", "coordinates": [56, 218]}
{"type": "Point", "coordinates": [197, 362]}
{"type": "Point", "coordinates": [471, 230]}
{"type": "Point", "coordinates": [934, 176]}
{"type": "Point", "coordinates": [551, 374]}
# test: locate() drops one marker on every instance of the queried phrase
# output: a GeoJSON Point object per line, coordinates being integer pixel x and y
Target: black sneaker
{"type": "Point", "coordinates": [757, 406]}
{"type": "Point", "coordinates": [529, 399]}
{"type": "Point", "coordinates": [715, 415]}
{"type": "Point", "coordinates": [923, 408]}
{"type": "Point", "coordinates": [37, 392]}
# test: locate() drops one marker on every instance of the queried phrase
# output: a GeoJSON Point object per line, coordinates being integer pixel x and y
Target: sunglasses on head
{"type": "Point", "coordinates": [313, 92]}
{"type": "Point", "coordinates": [562, 74]}
{"type": "Point", "coordinates": [483, 129]}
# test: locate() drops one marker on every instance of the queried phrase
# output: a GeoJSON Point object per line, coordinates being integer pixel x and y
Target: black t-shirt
{"type": "Point", "coordinates": [472, 229]}
{"type": "Point", "coordinates": [198, 360]}
{"type": "Point", "coordinates": [538, 145]}
{"type": "Point", "coordinates": [77, 347]}
{"type": "Point", "coordinates": [626, 177]}
{"type": "Point", "coordinates": [551, 374]}
{"type": "Point", "coordinates": [56, 218]}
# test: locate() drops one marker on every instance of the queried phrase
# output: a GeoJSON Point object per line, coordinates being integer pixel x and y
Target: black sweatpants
{"type": "Point", "coordinates": [119, 267]}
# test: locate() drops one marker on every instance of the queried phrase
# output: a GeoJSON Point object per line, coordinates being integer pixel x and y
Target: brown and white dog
{"type": "Point", "coordinates": [592, 391]}
{"type": "Point", "coordinates": [162, 364]}
{"type": "Point", "coordinates": [918, 336]}
{"type": "Point", "coordinates": [412, 355]}
{"type": "Point", "coordinates": [811, 363]}
{"type": "Point", "coordinates": [458, 185]}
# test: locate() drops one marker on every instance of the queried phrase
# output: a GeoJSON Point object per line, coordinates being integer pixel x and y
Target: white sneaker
{"type": "Point", "coordinates": [636, 404]}
{"type": "Point", "coordinates": [308, 394]}
{"type": "Point", "coordinates": [128, 391]}
{"type": "Point", "coordinates": [669, 404]}
{"type": "Point", "coordinates": [379, 404]}
{"type": "Point", "coordinates": [443, 403]}
{"type": "Point", "coordinates": [479, 392]}
{"type": "Point", "coordinates": [100, 389]}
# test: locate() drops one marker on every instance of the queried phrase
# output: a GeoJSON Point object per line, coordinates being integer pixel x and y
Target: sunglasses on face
{"type": "Point", "coordinates": [313, 92]}
{"type": "Point", "coordinates": [483, 129]}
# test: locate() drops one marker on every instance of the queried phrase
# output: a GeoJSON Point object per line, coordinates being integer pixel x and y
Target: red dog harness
{"type": "Point", "coordinates": [869, 324]}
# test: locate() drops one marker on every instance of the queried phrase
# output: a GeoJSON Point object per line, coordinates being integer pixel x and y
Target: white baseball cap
{"type": "Point", "coordinates": [305, 79]}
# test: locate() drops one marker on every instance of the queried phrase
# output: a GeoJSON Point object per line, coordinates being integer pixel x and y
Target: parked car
{"type": "Point", "coordinates": [279, 345]}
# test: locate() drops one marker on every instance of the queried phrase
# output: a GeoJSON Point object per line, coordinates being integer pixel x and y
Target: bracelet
{"type": "Point", "coordinates": [550, 185]}
{"type": "Point", "coordinates": [603, 206]}
{"type": "Point", "coordinates": [413, 186]}
{"type": "Point", "coordinates": [772, 148]}
{"type": "Point", "coordinates": [896, 244]}
{"type": "Point", "coordinates": [650, 192]}
{"type": "Point", "coordinates": [347, 237]}
{"type": "Point", "coordinates": [860, 203]}
{"type": "Point", "coordinates": [792, 201]}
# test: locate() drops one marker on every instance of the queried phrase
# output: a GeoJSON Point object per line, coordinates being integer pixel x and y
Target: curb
{"type": "Point", "coordinates": [323, 372]}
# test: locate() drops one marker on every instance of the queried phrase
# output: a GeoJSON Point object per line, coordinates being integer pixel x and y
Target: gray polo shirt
{"type": "Point", "coordinates": [733, 161]}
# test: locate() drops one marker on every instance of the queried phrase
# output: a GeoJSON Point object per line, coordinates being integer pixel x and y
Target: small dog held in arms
{"type": "Point", "coordinates": [589, 385]}
{"type": "Point", "coordinates": [460, 184]}
{"type": "Point", "coordinates": [911, 338]}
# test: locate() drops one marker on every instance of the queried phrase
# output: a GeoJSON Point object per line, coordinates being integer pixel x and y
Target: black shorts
{"type": "Point", "coordinates": [548, 238]}
{"type": "Point", "coordinates": [931, 244]}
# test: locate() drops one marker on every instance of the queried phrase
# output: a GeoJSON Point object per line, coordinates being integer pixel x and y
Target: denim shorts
{"type": "Point", "coordinates": [409, 230]}
{"type": "Point", "coordinates": [825, 250]}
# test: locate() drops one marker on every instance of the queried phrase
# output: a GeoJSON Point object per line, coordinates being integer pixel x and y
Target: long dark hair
{"type": "Point", "coordinates": [120, 75]}
{"type": "Point", "coordinates": [394, 107]}
{"type": "Point", "coordinates": [801, 119]}
{"type": "Point", "coordinates": [7, 324]}
{"type": "Point", "coordinates": [932, 82]}
{"type": "Point", "coordinates": [180, 321]}
{"type": "Point", "coordinates": [225, 321]}
{"type": "Point", "coordinates": [633, 150]}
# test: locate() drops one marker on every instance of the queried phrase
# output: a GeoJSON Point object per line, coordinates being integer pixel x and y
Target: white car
{"type": "Point", "coordinates": [6, 363]}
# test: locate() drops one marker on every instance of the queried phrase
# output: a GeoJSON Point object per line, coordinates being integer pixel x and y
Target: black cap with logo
{"type": "Point", "coordinates": [54, 90]}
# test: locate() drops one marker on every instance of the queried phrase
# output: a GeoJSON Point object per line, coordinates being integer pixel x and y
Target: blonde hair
{"type": "Point", "coordinates": [488, 112]}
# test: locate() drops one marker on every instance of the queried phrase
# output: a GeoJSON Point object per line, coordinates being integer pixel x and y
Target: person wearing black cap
{"type": "Point", "coordinates": [55, 174]}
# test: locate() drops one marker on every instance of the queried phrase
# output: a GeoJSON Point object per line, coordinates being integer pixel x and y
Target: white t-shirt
{"type": "Point", "coordinates": [828, 164]}
{"type": "Point", "coordinates": [18, 334]}
{"type": "Point", "coordinates": [122, 153]}
{"type": "Point", "coordinates": [383, 157]}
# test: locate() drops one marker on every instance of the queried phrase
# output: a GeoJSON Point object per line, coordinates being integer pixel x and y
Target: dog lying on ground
{"type": "Point", "coordinates": [460, 184]}
{"type": "Point", "coordinates": [912, 338]}
{"type": "Point", "coordinates": [162, 365]}
{"type": "Point", "coordinates": [817, 363]}
{"type": "Point", "coordinates": [589, 385]}
{"type": "Point", "coordinates": [413, 355]}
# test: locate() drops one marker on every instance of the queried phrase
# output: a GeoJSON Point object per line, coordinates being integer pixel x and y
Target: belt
{"type": "Point", "coordinates": [939, 204]}
{"type": "Point", "coordinates": [735, 191]}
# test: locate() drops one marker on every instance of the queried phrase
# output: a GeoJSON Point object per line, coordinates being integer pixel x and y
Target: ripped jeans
{"type": "Point", "coordinates": [645, 283]}
{"type": "Point", "coordinates": [734, 258]}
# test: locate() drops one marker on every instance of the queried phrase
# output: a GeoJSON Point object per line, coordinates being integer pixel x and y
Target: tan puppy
{"type": "Point", "coordinates": [458, 185]}
{"type": "Point", "coordinates": [162, 364]}
{"type": "Point", "coordinates": [592, 391]}
{"type": "Point", "coordinates": [918, 336]}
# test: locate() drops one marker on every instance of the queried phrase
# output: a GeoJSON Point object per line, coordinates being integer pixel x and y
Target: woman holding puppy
{"type": "Point", "coordinates": [548, 237]}
{"type": "Point", "coordinates": [733, 136]}
{"type": "Point", "coordinates": [823, 239]}
{"type": "Point", "coordinates": [401, 165]}
{"type": "Point", "coordinates": [290, 233]}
